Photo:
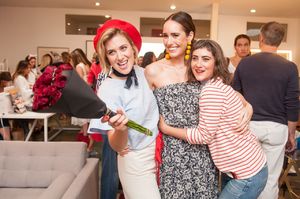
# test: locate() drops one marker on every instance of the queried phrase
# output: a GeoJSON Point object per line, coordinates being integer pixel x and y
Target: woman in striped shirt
{"type": "Point", "coordinates": [236, 152]}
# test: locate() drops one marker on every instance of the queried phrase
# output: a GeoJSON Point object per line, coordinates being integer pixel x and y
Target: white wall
{"type": "Point", "coordinates": [230, 26]}
{"type": "Point", "coordinates": [24, 29]}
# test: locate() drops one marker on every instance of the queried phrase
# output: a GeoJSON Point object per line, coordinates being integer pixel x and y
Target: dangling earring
{"type": "Point", "coordinates": [188, 51]}
{"type": "Point", "coordinates": [167, 56]}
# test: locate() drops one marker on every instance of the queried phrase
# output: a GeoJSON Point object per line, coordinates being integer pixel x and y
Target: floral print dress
{"type": "Point", "coordinates": [187, 171]}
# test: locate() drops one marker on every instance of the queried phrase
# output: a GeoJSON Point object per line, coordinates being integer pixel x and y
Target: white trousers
{"type": "Point", "coordinates": [273, 137]}
{"type": "Point", "coordinates": [137, 174]}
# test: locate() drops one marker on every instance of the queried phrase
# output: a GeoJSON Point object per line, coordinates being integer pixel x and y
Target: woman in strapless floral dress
{"type": "Point", "coordinates": [187, 171]}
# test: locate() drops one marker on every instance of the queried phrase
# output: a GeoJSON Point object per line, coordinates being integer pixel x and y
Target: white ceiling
{"type": "Point", "coordinates": [265, 8]}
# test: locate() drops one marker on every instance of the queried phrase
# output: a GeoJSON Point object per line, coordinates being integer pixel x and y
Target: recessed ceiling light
{"type": "Point", "coordinates": [68, 23]}
{"type": "Point", "coordinates": [107, 16]}
{"type": "Point", "coordinates": [253, 11]}
{"type": "Point", "coordinates": [173, 7]}
{"type": "Point", "coordinates": [97, 3]}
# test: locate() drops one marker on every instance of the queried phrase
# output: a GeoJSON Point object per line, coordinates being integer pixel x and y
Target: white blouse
{"type": "Point", "coordinates": [24, 89]}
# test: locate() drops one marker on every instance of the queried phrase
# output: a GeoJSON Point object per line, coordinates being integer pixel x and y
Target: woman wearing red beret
{"type": "Point", "coordinates": [126, 91]}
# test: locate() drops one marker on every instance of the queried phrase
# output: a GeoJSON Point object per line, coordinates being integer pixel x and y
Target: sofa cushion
{"type": "Point", "coordinates": [58, 187]}
{"type": "Point", "coordinates": [37, 164]}
{"type": "Point", "coordinates": [20, 193]}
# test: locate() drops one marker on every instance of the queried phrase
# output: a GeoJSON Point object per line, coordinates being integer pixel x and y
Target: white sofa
{"type": "Point", "coordinates": [47, 170]}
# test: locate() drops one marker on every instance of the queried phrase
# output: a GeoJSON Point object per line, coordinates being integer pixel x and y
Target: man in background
{"type": "Point", "coordinates": [269, 83]}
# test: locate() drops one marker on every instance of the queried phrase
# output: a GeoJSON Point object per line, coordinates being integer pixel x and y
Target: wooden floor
{"type": "Point", "coordinates": [65, 135]}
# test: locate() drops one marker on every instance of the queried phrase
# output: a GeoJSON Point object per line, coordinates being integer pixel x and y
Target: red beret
{"type": "Point", "coordinates": [132, 32]}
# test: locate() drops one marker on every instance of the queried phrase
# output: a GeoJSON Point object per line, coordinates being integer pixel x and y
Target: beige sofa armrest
{"type": "Point", "coordinates": [86, 184]}
{"type": "Point", "coordinates": [58, 187]}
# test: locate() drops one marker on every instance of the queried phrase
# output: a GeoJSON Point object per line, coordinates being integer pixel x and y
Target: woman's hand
{"type": "Point", "coordinates": [118, 137]}
{"type": "Point", "coordinates": [162, 125]}
{"type": "Point", "coordinates": [245, 117]}
{"type": "Point", "coordinates": [171, 131]}
{"type": "Point", "coordinates": [124, 152]}
{"type": "Point", "coordinates": [119, 121]}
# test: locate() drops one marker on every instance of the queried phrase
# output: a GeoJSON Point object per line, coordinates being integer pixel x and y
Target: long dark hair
{"type": "Point", "coordinates": [241, 36]}
{"type": "Point", "coordinates": [183, 19]}
{"type": "Point", "coordinates": [148, 59]}
{"type": "Point", "coordinates": [29, 58]}
{"type": "Point", "coordinates": [221, 69]}
{"type": "Point", "coordinates": [79, 56]}
{"type": "Point", "coordinates": [21, 67]}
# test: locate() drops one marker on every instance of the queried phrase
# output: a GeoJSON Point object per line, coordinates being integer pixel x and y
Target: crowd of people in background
{"type": "Point", "coordinates": [201, 101]}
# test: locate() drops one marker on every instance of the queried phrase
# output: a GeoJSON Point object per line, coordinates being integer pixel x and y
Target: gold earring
{"type": "Point", "coordinates": [188, 51]}
{"type": "Point", "coordinates": [167, 56]}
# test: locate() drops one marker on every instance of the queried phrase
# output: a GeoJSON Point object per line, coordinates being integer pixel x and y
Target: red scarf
{"type": "Point", "coordinates": [158, 150]}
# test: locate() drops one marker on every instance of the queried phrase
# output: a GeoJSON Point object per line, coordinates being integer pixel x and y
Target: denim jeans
{"type": "Point", "coordinates": [109, 176]}
{"type": "Point", "coordinates": [249, 188]}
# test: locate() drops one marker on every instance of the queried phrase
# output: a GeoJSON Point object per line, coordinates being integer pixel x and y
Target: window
{"type": "Point", "coordinates": [156, 48]}
{"type": "Point", "coordinates": [83, 24]}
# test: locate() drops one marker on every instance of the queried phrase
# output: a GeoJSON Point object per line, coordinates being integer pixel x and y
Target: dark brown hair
{"type": "Point", "coordinates": [241, 36]}
{"type": "Point", "coordinates": [79, 56]}
{"type": "Point", "coordinates": [147, 59]}
{"type": "Point", "coordinates": [30, 57]}
{"type": "Point", "coordinates": [21, 67]}
{"type": "Point", "coordinates": [66, 57]}
{"type": "Point", "coordinates": [221, 69]}
{"type": "Point", "coordinates": [5, 76]}
{"type": "Point", "coordinates": [183, 19]}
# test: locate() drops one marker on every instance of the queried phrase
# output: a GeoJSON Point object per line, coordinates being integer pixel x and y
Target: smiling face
{"type": "Point", "coordinates": [175, 39]}
{"type": "Point", "coordinates": [202, 64]}
{"type": "Point", "coordinates": [120, 53]}
{"type": "Point", "coordinates": [242, 47]}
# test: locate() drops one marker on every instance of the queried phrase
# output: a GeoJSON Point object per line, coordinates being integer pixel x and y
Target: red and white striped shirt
{"type": "Point", "coordinates": [233, 152]}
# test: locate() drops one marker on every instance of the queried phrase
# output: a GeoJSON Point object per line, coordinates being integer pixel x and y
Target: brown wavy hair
{"type": "Point", "coordinates": [221, 66]}
{"type": "Point", "coordinates": [20, 70]}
